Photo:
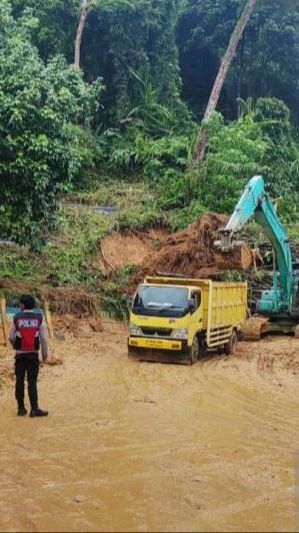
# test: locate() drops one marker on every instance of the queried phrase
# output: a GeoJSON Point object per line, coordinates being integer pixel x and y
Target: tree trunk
{"type": "Point", "coordinates": [201, 143]}
{"type": "Point", "coordinates": [83, 16]}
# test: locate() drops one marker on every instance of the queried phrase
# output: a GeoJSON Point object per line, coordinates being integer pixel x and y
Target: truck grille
{"type": "Point", "coordinates": [156, 332]}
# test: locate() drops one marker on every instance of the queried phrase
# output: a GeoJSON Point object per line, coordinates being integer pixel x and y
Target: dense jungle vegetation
{"type": "Point", "coordinates": [132, 112]}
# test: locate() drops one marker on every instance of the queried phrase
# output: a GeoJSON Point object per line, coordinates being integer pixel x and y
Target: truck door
{"type": "Point", "coordinates": [196, 315]}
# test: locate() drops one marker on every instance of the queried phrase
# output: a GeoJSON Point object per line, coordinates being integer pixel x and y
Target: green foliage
{"type": "Point", "coordinates": [136, 204]}
{"type": "Point", "coordinates": [141, 217]}
{"type": "Point", "coordinates": [17, 263]}
{"type": "Point", "coordinates": [70, 258]}
{"type": "Point", "coordinates": [293, 232]}
{"type": "Point", "coordinates": [68, 253]}
{"type": "Point", "coordinates": [203, 32]}
{"type": "Point", "coordinates": [236, 153]}
{"type": "Point", "coordinates": [58, 132]}
{"type": "Point", "coordinates": [259, 142]}
{"type": "Point", "coordinates": [120, 36]}
{"type": "Point", "coordinates": [152, 117]}
{"type": "Point", "coordinates": [180, 218]}
{"type": "Point", "coordinates": [56, 24]}
{"type": "Point", "coordinates": [163, 162]}
{"type": "Point", "coordinates": [267, 59]}
{"type": "Point", "coordinates": [138, 59]}
{"type": "Point", "coordinates": [282, 153]}
{"type": "Point", "coordinates": [166, 154]}
{"type": "Point", "coordinates": [42, 112]}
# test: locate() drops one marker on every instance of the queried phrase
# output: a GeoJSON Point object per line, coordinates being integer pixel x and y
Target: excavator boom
{"type": "Point", "coordinates": [255, 202]}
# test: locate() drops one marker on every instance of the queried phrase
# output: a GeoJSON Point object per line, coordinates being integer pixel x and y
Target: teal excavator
{"type": "Point", "coordinates": [279, 306]}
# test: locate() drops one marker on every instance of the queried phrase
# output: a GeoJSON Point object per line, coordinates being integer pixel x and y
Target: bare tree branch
{"type": "Point", "coordinates": [82, 20]}
{"type": "Point", "coordinates": [201, 143]}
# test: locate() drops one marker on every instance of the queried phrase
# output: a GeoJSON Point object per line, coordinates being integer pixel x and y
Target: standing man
{"type": "Point", "coordinates": [26, 334]}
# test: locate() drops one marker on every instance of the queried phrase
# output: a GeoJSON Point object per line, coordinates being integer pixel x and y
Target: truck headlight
{"type": "Point", "coordinates": [135, 331]}
{"type": "Point", "coordinates": [180, 333]}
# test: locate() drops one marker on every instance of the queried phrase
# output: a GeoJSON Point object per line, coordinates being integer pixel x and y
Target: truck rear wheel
{"type": "Point", "coordinates": [231, 345]}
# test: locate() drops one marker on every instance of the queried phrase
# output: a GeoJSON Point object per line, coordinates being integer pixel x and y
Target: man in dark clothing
{"type": "Point", "coordinates": [26, 334]}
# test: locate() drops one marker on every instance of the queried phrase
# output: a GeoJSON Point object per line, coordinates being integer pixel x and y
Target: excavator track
{"type": "Point", "coordinates": [256, 327]}
{"type": "Point", "coordinates": [253, 328]}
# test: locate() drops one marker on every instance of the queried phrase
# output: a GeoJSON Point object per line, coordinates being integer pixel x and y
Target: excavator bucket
{"type": "Point", "coordinates": [239, 257]}
{"type": "Point", "coordinates": [254, 328]}
{"type": "Point", "coordinates": [257, 327]}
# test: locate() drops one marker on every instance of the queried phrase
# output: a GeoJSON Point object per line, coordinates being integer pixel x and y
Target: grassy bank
{"type": "Point", "coordinates": [69, 258]}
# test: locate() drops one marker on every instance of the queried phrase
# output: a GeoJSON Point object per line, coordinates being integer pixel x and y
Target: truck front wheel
{"type": "Point", "coordinates": [231, 345]}
{"type": "Point", "coordinates": [194, 351]}
{"type": "Point", "coordinates": [197, 349]}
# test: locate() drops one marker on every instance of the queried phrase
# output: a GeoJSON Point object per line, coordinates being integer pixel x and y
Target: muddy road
{"type": "Point", "coordinates": [147, 447]}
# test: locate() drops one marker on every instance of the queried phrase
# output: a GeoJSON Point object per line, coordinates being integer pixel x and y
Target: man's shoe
{"type": "Point", "coordinates": [38, 412]}
{"type": "Point", "coordinates": [22, 411]}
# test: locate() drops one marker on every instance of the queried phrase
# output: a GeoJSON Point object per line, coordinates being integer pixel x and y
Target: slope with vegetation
{"type": "Point", "coordinates": [120, 131]}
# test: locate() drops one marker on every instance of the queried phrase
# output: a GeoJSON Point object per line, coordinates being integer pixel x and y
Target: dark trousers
{"type": "Point", "coordinates": [27, 363]}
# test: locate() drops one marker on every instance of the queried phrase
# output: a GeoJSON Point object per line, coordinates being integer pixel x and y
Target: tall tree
{"type": "Point", "coordinates": [201, 143]}
{"type": "Point", "coordinates": [82, 20]}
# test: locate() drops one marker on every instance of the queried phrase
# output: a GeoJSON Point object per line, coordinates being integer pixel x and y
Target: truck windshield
{"type": "Point", "coordinates": [155, 300]}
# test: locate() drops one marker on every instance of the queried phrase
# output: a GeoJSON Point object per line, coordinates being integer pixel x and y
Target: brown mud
{"type": "Point", "coordinates": [149, 447]}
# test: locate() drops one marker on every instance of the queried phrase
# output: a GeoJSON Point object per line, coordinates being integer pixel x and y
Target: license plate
{"type": "Point", "coordinates": [161, 344]}
{"type": "Point", "coordinates": [153, 343]}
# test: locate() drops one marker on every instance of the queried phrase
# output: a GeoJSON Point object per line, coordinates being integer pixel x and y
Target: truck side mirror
{"type": "Point", "coordinates": [191, 305]}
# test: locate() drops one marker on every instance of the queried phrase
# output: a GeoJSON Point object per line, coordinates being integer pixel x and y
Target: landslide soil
{"type": "Point", "coordinates": [128, 248]}
{"type": "Point", "coordinates": [189, 252]}
{"type": "Point", "coordinates": [134, 446]}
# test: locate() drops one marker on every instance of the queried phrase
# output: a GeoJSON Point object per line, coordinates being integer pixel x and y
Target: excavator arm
{"type": "Point", "coordinates": [255, 202]}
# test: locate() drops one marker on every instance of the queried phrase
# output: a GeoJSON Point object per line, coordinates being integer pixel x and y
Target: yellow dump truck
{"type": "Point", "coordinates": [176, 319]}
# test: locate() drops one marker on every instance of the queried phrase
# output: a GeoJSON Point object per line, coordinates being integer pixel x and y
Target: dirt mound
{"type": "Point", "coordinates": [62, 300]}
{"type": "Point", "coordinates": [128, 248]}
{"type": "Point", "coordinates": [65, 300]}
{"type": "Point", "coordinates": [16, 288]}
{"type": "Point", "coordinates": [188, 252]}
{"type": "Point", "coordinates": [70, 324]}
{"type": "Point", "coordinates": [120, 249]}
